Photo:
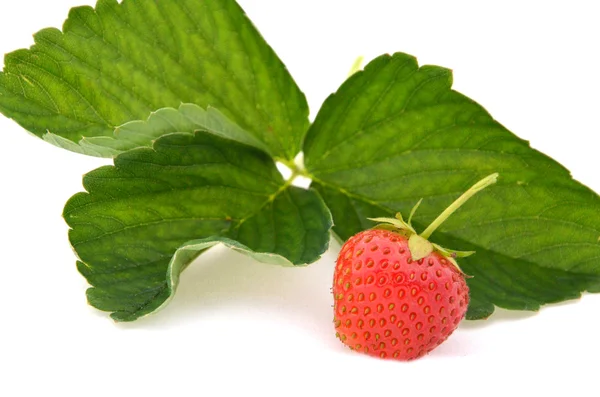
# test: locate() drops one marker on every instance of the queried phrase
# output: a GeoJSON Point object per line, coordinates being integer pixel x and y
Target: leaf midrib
{"type": "Point", "coordinates": [140, 225]}
{"type": "Point", "coordinates": [271, 198]}
{"type": "Point", "coordinates": [120, 198]}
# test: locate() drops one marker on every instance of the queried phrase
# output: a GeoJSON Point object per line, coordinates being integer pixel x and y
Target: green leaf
{"type": "Point", "coordinates": [120, 62]}
{"type": "Point", "coordinates": [396, 133]}
{"type": "Point", "coordinates": [145, 218]}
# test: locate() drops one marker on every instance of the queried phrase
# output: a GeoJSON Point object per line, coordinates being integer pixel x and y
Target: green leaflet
{"type": "Point", "coordinates": [120, 62]}
{"type": "Point", "coordinates": [143, 220]}
{"type": "Point", "coordinates": [395, 133]}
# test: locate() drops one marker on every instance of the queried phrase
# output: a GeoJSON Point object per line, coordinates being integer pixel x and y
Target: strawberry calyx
{"type": "Point", "coordinates": [419, 247]}
{"type": "Point", "coordinates": [419, 244]}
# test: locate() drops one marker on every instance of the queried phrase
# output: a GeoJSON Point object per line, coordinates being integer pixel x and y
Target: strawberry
{"type": "Point", "coordinates": [397, 295]}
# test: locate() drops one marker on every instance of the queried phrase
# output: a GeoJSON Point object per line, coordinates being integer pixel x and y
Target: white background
{"type": "Point", "coordinates": [237, 327]}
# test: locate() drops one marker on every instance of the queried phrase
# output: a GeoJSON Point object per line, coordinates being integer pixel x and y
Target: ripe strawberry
{"type": "Point", "coordinates": [388, 305]}
{"type": "Point", "coordinates": [396, 294]}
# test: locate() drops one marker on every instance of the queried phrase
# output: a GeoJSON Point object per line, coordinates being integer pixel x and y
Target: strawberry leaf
{"type": "Point", "coordinates": [143, 220]}
{"type": "Point", "coordinates": [397, 132]}
{"type": "Point", "coordinates": [118, 62]}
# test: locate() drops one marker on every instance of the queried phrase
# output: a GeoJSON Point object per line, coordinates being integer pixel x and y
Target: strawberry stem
{"type": "Point", "coordinates": [479, 186]}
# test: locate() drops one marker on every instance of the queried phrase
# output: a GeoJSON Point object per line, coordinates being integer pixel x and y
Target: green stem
{"type": "Point", "coordinates": [288, 163]}
{"type": "Point", "coordinates": [297, 169]}
{"type": "Point", "coordinates": [479, 186]}
{"type": "Point", "coordinates": [357, 65]}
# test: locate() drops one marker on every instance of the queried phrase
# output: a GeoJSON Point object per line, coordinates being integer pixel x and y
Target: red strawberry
{"type": "Point", "coordinates": [396, 294]}
{"type": "Point", "coordinates": [388, 305]}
